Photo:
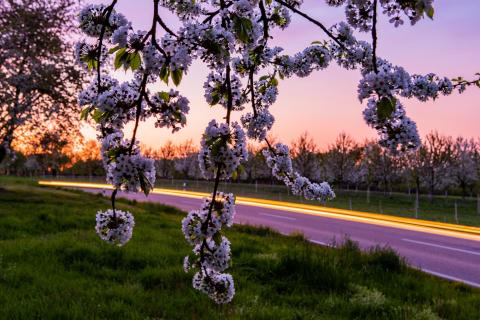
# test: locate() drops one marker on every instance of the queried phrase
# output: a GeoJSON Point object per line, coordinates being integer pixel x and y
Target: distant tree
{"type": "Point", "coordinates": [165, 160]}
{"type": "Point", "coordinates": [304, 153]}
{"type": "Point", "coordinates": [411, 173]}
{"type": "Point", "coordinates": [388, 170]}
{"type": "Point", "coordinates": [51, 152]}
{"type": "Point", "coordinates": [254, 167]}
{"type": "Point", "coordinates": [464, 165]}
{"type": "Point", "coordinates": [367, 167]}
{"type": "Point", "coordinates": [436, 155]}
{"type": "Point", "coordinates": [341, 158]}
{"type": "Point", "coordinates": [86, 161]}
{"type": "Point", "coordinates": [186, 158]}
{"type": "Point", "coordinates": [38, 78]}
{"type": "Point", "coordinates": [477, 167]}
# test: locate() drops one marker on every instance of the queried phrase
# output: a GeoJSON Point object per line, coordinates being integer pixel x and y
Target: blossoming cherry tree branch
{"type": "Point", "coordinates": [231, 37]}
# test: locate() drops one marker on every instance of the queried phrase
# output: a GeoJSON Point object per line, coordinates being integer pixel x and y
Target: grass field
{"type": "Point", "coordinates": [440, 208]}
{"type": "Point", "coordinates": [53, 266]}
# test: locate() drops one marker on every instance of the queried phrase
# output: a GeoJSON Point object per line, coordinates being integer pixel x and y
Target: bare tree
{"type": "Point", "coordinates": [341, 158]}
{"type": "Point", "coordinates": [436, 156]}
{"type": "Point", "coordinates": [164, 163]}
{"type": "Point", "coordinates": [464, 166]}
{"type": "Point", "coordinates": [304, 153]}
{"type": "Point", "coordinates": [186, 158]}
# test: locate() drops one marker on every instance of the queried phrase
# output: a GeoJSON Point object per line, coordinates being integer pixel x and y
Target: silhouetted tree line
{"type": "Point", "coordinates": [442, 165]}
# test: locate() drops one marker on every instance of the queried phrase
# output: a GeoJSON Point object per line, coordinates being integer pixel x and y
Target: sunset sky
{"type": "Point", "coordinates": [326, 103]}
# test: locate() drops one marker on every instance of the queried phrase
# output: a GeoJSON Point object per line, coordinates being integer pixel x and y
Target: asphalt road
{"type": "Point", "coordinates": [447, 257]}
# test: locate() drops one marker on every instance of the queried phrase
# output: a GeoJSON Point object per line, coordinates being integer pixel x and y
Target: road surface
{"type": "Point", "coordinates": [450, 257]}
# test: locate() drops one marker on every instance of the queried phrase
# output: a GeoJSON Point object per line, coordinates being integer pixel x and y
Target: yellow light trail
{"type": "Point", "coordinates": [439, 228]}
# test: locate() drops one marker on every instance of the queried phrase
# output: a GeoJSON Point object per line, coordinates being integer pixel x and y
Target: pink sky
{"type": "Point", "coordinates": [326, 103]}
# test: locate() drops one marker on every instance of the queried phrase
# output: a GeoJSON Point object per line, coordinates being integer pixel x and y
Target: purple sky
{"type": "Point", "coordinates": [326, 103]}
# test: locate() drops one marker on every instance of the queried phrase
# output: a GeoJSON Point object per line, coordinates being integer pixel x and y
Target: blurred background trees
{"type": "Point", "coordinates": [443, 165]}
{"type": "Point", "coordinates": [38, 77]}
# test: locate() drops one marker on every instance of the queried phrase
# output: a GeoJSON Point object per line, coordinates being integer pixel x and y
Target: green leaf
{"type": "Point", "coordinates": [165, 96]}
{"type": "Point", "coordinates": [278, 18]}
{"type": "Point", "coordinates": [84, 113]}
{"type": "Point", "coordinates": [177, 75]}
{"type": "Point", "coordinates": [164, 73]}
{"type": "Point", "coordinates": [217, 237]}
{"type": "Point", "coordinates": [430, 11]}
{"type": "Point", "coordinates": [120, 58]}
{"type": "Point", "coordinates": [216, 145]}
{"type": "Point", "coordinates": [242, 27]}
{"type": "Point", "coordinates": [135, 60]}
{"type": "Point", "coordinates": [215, 98]}
{"type": "Point", "coordinates": [114, 49]}
{"type": "Point", "coordinates": [90, 60]}
{"type": "Point", "coordinates": [97, 115]}
{"type": "Point", "coordinates": [385, 107]}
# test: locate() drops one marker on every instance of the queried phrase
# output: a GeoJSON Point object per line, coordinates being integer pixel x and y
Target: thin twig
{"type": "Point", "coordinates": [374, 37]}
{"type": "Point", "coordinates": [316, 22]}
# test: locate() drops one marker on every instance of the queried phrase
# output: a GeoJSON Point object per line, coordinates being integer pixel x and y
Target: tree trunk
{"type": "Point", "coordinates": [478, 203]}
{"type": "Point", "coordinates": [368, 194]}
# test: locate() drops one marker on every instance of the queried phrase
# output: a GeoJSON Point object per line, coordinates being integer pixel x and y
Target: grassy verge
{"type": "Point", "coordinates": [439, 208]}
{"type": "Point", "coordinates": [53, 266]}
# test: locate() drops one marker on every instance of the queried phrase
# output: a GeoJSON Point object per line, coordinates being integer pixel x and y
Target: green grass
{"type": "Point", "coordinates": [53, 266]}
{"type": "Point", "coordinates": [439, 208]}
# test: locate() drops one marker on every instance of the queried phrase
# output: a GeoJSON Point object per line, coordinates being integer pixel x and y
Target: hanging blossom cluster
{"type": "Point", "coordinates": [223, 148]}
{"type": "Point", "coordinates": [126, 171]}
{"type": "Point", "coordinates": [211, 251]}
{"type": "Point", "coordinates": [384, 111]}
{"type": "Point", "coordinates": [231, 37]}
{"type": "Point", "coordinates": [115, 226]}
{"type": "Point", "coordinates": [278, 159]}
{"type": "Point", "coordinates": [113, 104]}
{"type": "Point", "coordinates": [397, 131]}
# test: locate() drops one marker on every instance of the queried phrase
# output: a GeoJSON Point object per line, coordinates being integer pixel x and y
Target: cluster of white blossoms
{"type": "Point", "coordinates": [258, 125]}
{"type": "Point", "coordinates": [231, 38]}
{"type": "Point", "coordinates": [92, 20]}
{"type": "Point", "coordinates": [279, 160]}
{"type": "Point", "coordinates": [170, 109]}
{"type": "Point", "coordinates": [218, 286]}
{"type": "Point", "coordinates": [223, 148]}
{"type": "Point", "coordinates": [359, 13]}
{"type": "Point", "coordinates": [211, 251]}
{"type": "Point", "coordinates": [302, 64]}
{"type": "Point", "coordinates": [115, 226]}
{"type": "Point", "coordinates": [86, 54]}
{"type": "Point", "coordinates": [347, 51]}
{"type": "Point", "coordinates": [392, 80]}
{"type": "Point", "coordinates": [126, 168]}
{"type": "Point", "coordinates": [385, 113]}
{"type": "Point", "coordinates": [216, 91]}
{"type": "Point", "coordinates": [396, 130]}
